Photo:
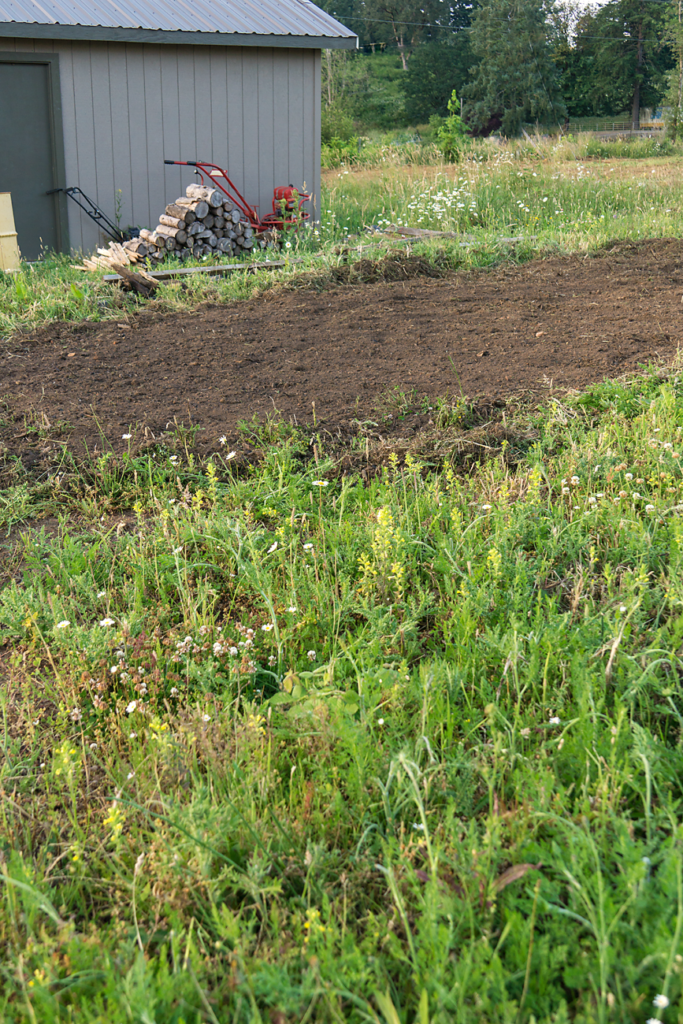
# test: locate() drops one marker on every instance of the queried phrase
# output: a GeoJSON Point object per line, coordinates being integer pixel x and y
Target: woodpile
{"type": "Point", "coordinates": [197, 224]}
{"type": "Point", "coordinates": [106, 258]}
{"type": "Point", "coordinates": [119, 259]}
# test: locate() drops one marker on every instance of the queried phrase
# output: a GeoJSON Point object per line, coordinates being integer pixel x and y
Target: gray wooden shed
{"type": "Point", "coordinates": [97, 93]}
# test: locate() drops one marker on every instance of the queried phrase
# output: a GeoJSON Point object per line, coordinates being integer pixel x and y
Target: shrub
{"type": "Point", "coordinates": [335, 123]}
{"type": "Point", "coordinates": [451, 134]}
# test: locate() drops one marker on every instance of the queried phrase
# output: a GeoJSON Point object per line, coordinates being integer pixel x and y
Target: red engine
{"type": "Point", "coordinates": [287, 206]}
{"type": "Point", "coordinates": [290, 196]}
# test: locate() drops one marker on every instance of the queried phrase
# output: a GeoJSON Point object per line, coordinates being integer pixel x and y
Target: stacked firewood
{"type": "Point", "coordinates": [200, 223]}
{"type": "Point", "coordinates": [106, 258]}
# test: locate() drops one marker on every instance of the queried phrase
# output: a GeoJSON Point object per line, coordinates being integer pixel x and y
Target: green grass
{"type": "Point", "coordinates": [552, 203]}
{"type": "Point", "coordinates": [280, 744]}
{"type": "Point", "coordinates": [416, 147]}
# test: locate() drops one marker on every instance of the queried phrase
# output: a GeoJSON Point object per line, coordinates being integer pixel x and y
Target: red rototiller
{"type": "Point", "coordinates": [288, 213]}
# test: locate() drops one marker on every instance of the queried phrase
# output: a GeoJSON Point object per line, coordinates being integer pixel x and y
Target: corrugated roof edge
{"type": "Point", "coordinates": [96, 33]}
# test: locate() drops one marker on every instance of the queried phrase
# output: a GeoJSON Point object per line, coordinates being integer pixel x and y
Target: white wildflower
{"type": "Point", "coordinates": [107, 622]}
{"type": "Point", "coordinates": [63, 624]}
{"type": "Point", "coordinates": [131, 707]}
{"type": "Point", "coordinates": [661, 1002]}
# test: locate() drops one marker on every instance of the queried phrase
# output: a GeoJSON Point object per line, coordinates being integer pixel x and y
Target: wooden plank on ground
{"type": "Point", "coordinates": [226, 268]}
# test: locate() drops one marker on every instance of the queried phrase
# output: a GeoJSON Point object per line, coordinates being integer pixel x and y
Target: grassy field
{"type": "Point", "coordinates": [284, 745]}
{"type": "Point", "coordinates": [355, 732]}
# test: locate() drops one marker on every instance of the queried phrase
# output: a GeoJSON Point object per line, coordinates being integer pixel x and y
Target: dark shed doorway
{"type": "Point", "coordinates": [32, 150]}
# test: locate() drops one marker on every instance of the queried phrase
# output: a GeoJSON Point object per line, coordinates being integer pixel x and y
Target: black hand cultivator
{"type": "Point", "coordinates": [95, 213]}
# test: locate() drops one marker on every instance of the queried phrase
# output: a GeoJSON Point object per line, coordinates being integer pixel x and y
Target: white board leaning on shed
{"type": "Point", "coordinates": [104, 92]}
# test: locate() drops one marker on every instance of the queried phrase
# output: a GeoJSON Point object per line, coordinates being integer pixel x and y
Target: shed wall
{"type": "Point", "coordinates": [127, 107]}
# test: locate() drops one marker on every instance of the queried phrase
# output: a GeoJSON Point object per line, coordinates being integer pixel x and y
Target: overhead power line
{"type": "Point", "coordinates": [468, 28]}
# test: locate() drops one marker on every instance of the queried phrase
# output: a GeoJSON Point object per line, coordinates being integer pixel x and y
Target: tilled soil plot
{"type": "Point", "coordinates": [554, 323]}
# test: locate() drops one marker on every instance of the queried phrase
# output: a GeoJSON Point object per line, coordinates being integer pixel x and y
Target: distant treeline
{"type": "Point", "coordinates": [511, 62]}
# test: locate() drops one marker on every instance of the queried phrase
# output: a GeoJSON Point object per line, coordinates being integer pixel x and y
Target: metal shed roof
{"type": "Point", "coordinates": [214, 22]}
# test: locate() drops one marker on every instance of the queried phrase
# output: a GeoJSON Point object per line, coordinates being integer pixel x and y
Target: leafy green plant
{"type": "Point", "coordinates": [452, 133]}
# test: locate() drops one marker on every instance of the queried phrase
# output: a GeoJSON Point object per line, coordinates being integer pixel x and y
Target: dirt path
{"type": "Point", "coordinates": [561, 322]}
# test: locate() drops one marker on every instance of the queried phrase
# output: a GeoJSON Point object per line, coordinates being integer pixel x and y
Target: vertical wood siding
{"type": "Point", "coordinates": [127, 107]}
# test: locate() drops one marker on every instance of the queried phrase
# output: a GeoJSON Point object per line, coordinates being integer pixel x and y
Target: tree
{"type": "Point", "coordinates": [434, 70]}
{"type": "Point", "coordinates": [516, 79]}
{"type": "Point", "coordinates": [674, 95]}
{"type": "Point", "coordinates": [361, 90]}
{"type": "Point", "coordinates": [409, 22]}
{"type": "Point", "coordinates": [630, 55]}
{"type": "Point", "coordinates": [573, 55]}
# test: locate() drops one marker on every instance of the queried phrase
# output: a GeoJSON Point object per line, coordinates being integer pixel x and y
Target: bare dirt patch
{"type": "Point", "coordinates": [554, 323]}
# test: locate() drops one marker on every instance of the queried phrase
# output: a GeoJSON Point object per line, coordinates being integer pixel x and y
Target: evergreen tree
{"type": "Point", "coordinates": [630, 55]}
{"type": "Point", "coordinates": [516, 79]}
{"type": "Point", "coordinates": [674, 94]}
{"type": "Point", "coordinates": [573, 44]}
